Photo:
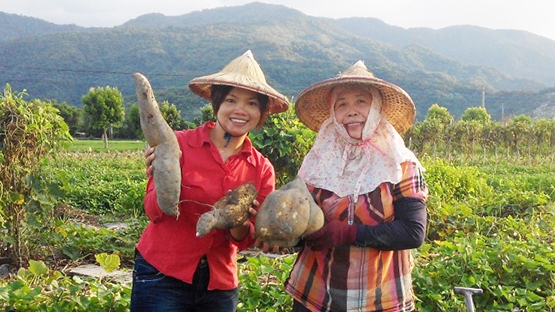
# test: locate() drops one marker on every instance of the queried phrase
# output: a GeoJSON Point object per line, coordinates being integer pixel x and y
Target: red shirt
{"type": "Point", "coordinates": [170, 244]}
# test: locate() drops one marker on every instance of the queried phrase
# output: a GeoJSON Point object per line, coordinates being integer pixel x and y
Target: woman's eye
{"type": "Point", "coordinates": [253, 103]}
{"type": "Point", "coordinates": [364, 103]}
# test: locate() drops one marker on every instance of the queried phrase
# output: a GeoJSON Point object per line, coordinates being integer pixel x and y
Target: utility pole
{"type": "Point", "coordinates": [483, 96]}
{"type": "Point", "coordinates": [503, 113]}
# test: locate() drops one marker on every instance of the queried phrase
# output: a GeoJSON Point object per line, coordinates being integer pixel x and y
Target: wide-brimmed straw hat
{"type": "Point", "coordinates": [313, 107]}
{"type": "Point", "coordinates": [243, 72]}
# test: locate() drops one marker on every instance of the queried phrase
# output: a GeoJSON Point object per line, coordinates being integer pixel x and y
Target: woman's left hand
{"type": "Point", "coordinates": [332, 234]}
{"type": "Point", "coordinates": [240, 232]}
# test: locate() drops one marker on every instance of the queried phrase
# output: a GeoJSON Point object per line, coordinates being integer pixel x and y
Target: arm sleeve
{"type": "Point", "coordinates": [407, 231]}
{"type": "Point", "coordinates": [408, 228]}
{"type": "Point", "coordinates": [152, 210]}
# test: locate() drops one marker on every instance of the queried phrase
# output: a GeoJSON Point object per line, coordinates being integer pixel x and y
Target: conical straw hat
{"type": "Point", "coordinates": [313, 107]}
{"type": "Point", "coordinates": [243, 72]}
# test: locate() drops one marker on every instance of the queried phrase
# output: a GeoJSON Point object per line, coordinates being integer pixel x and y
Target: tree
{"type": "Point", "coordinates": [478, 114]}
{"type": "Point", "coordinates": [73, 116]}
{"type": "Point", "coordinates": [433, 131]}
{"type": "Point", "coordinates": [206, 114]}
{"type": "Point", "coordinates": [103, 109]}
{"type": "Point", "coordinates": [172, 115]}
{"type": "Point", "coordinates": [131, 128]}
{"type": "Point", "coordinates": [440, 114]}
{"type": "Point", "coordinates": [519, 128]}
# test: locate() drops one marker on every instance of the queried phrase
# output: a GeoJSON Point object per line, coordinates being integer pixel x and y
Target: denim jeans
{"type": "Point", "coordinates": [153, 291]}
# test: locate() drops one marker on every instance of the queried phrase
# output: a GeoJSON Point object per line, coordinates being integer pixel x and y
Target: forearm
{"type": "Point", "coordinates": [242, 236]}
{"type": "Point", "coordinates": [406, 231]}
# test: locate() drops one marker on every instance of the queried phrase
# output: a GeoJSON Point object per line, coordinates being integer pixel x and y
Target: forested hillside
{"type": "Point", "coordinates": [295, 50]}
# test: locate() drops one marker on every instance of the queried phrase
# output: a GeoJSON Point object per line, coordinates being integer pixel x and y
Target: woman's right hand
{"type": "Point", "coordinates": [266, 248]}
{"type": "Point", "coordinates": [149, 158]}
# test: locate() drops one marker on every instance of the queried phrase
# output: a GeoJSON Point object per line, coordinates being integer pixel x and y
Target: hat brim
{"type": "Point", "coordinates": [202, 86]}
{"type": "Point", "coordinates": [312, 106]}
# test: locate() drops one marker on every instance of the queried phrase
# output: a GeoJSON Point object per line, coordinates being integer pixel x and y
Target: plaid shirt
{"type": "Point", "coordinates": [350, 278]}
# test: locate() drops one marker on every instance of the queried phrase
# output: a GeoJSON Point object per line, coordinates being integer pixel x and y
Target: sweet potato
{"type": "Point", "coordinates": [230, 211]}
{"type": "Point", "coordinates": [288, 214]}
{"type": "Point", "coordinates": [158, 134]}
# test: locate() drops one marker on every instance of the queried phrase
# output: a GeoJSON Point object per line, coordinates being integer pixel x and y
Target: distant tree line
{"type": "Point", "coordinates": [475, 136]}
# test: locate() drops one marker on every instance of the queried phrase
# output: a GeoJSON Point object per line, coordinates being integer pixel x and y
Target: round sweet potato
{"type": "Point", "coordinates": [287, 215]}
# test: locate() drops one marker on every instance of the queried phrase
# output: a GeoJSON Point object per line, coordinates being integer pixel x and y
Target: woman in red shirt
{"type": "Point", "coordinates": [175, 270]}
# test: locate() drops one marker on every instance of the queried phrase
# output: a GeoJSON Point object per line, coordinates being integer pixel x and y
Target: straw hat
{"type": "Point", "coordinates": [243, 72]}
{"type": "Point", "coordinates": [313, 108]}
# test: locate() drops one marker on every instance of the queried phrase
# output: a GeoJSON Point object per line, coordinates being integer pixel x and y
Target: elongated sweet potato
{"type": "Point", "coordinates": [158, 134]}
{"type": "Point", "coordinates": [288, 214]}
{"type": "Point", "coordinates": [230, 211]}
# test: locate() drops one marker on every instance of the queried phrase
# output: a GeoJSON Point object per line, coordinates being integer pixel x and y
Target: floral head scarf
{"type": "Point", "coordinates": [348, 166]}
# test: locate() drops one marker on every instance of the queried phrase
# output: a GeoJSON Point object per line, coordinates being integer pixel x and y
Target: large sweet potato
{"type": "Point", "coordinates": [288, 214]}
{"type": "Point", "coordinates": [230, 211]}
{"type": "Point", "coordinates": [158, 134]}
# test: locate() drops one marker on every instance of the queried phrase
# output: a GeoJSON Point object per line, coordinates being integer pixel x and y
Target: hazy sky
{"type": "Point", "coordinates": [535, 16]}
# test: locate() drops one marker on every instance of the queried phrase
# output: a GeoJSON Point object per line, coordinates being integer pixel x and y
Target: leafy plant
{"type": "Point", "coordinates": [28, 132]}
{"type": "Point", "coordinates": [37, 288]}
{"type": "Point", "coordinates": [262, 279]}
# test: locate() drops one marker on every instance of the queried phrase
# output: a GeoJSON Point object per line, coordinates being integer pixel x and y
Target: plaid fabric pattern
{"type": "Point", "coordinates": [350, 278]}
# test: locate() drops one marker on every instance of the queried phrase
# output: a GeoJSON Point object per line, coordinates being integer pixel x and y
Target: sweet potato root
{"type": "Point", "coordinates": [230, 211]}
{"type": "Point", "coordinates": [288, 214]}
{"type": "Point", "coordinates": [158, 134]}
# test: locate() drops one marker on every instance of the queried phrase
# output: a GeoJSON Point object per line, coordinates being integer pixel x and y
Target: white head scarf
{"type": "Point", "coordinates": [348, 166]}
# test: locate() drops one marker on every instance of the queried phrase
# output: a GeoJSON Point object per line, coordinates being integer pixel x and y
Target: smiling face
{"type": "Point", "coordinates": [240, 111]}
{"type": "Point", "coordinates": [351, 109]}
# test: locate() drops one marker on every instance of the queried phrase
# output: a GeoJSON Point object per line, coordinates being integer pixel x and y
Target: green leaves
{"type": "Point", "coordinates": [285, 141]}
{"type": "Point", "coordinates": [37, 268]}
{"type": "Point", "coordinates": [262, 279]}
{"type": "Point", "coordinates": [109, 263]}
{"type": "Point", "coordinates": [39, 289]}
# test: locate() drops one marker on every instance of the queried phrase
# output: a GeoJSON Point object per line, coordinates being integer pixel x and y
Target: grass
{"type": "Point", "coordinates": [97, 146]}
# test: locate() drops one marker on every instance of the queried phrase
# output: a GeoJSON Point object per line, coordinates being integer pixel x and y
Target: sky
{"type": "Point", "coordinates": [535, 16]}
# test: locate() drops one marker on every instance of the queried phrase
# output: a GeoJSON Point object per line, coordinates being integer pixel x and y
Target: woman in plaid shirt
{"type": "Point", "coordinates": [371, 190]}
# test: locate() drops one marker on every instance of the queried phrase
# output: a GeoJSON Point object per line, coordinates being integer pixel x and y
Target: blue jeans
{"type": "Point", "coordinates": [153, 291]}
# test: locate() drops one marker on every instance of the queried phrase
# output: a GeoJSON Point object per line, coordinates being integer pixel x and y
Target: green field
{"type": "Point", "coordinates": [490, 226]}
{"type": "Point", "coordinates": [98, 145]}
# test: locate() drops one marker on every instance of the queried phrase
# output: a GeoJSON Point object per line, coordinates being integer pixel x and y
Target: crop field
{"type": "Point", "coordinates": [490, 226]}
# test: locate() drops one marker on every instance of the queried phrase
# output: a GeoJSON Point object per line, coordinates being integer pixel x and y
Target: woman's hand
{"type": "Point", "coordinates": [240, 232]}
{"type": "Point", "coordinates": [149, 158]}
{"type": "Point", "coordinates": [265, 247]}
{"type": "Point", "coordinates": [333, 234]}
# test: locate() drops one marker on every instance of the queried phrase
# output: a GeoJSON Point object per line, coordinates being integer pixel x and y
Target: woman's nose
{"type": "Point", "coordinates": [352, 111]}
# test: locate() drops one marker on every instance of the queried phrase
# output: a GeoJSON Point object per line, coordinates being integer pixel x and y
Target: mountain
{"type": "Point", "coordinates": [294, 50]}
{"type": "Point", "coordinates": [17, 26]}
{"type": "Point", "coordinates": [515, 52]}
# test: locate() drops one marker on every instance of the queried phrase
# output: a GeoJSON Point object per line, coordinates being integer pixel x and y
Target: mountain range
{"type": "Point", "coordinates": [510, 72]}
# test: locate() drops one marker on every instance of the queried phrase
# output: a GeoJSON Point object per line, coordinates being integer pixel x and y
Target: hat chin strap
{"type": "Point", "coordinates": [227, 135]}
